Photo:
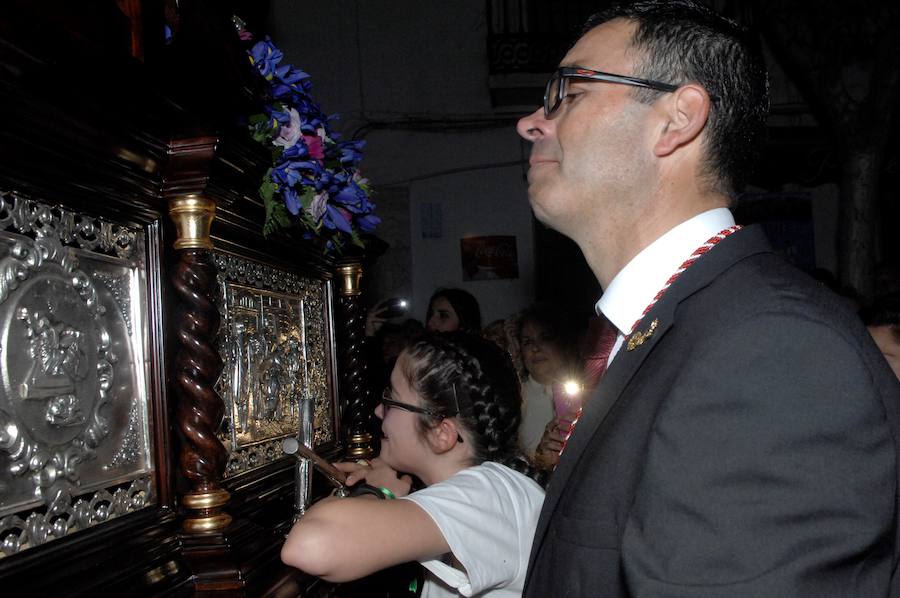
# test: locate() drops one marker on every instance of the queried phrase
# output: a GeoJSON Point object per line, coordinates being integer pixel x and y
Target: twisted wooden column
{"type": "Point", "coordinates": [197, 367]}
{"type": "Point", "coordinates": [351, 335]}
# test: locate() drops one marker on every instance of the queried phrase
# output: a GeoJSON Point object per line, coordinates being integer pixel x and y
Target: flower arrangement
{"type": "Point", "coordinates": [314, 181]}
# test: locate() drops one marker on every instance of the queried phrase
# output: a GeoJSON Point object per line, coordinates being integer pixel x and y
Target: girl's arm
{"type": "Point", "coordinates": [341, 539]}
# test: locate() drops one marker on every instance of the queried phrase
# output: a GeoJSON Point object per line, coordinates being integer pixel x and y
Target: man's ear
{"type": "Point", "coordinates": [443, 436]}
{"type": "Point", "coordinates": [686, 112]}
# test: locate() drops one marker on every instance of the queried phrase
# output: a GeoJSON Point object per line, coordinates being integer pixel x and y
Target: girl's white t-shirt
{"type": "Point", "coordinates": [487, 514]}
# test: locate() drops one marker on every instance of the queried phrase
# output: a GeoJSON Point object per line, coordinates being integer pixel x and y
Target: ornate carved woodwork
{"type": "Point", "coordinates": [143, 506]}
{"type": "Point", "coordinates": [197, 363]}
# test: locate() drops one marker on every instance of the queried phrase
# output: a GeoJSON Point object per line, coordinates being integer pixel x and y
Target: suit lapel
{"type": "Point", "coordinates": [744, 243]}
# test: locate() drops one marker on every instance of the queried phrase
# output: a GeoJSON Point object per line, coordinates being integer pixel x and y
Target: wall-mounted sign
{"type": "Point", "coordinates": [489, 258]}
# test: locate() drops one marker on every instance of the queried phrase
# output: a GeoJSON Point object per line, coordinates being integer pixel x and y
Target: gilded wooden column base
{"type": "Point", "coordinates": [359, 446]}
{"type": "Point", "coordinates": [207, 514]}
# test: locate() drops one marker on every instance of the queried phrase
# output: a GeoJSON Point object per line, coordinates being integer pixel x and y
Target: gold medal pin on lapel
{"type": "Point", "coordinates": [637, 338]}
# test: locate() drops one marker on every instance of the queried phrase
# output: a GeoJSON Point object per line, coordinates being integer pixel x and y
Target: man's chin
{"type": "Point", "coordinates": [542, 216]}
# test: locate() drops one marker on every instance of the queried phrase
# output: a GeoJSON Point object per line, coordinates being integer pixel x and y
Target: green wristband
{"type": "Point", "coordinates": [379, 492]}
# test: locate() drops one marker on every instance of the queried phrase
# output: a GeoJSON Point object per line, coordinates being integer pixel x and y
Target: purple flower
{"type": "Point", "coordinates": [315, 146]}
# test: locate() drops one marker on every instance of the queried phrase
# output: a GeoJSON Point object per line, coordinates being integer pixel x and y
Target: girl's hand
{"type": "Point", "coordinates": [376, 473]}
{"type": "Point", "coordinates": [355, 470]}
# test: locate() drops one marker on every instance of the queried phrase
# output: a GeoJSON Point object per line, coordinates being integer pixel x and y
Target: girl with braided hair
{"type": "Point", "coordinates": [449, 418]}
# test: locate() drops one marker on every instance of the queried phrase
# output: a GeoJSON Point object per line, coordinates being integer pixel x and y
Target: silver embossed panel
{"type": "Point", "coordinates": [74, 441]}
{"type": "Point", "coordinates": [273, 340]}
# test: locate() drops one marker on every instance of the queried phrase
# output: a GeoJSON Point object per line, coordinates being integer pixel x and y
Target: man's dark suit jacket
{"type": "Point", "coordinates": [749, 447]}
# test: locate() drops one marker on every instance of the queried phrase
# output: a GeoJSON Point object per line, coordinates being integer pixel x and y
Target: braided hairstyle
{"type": "Point", "coordinates": [470, 378]}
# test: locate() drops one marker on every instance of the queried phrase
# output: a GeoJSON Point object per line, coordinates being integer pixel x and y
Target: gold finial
{"type": "Point", "coordinates": [351, 275]}
{"type": "Point", "coordinates": [193, 216]}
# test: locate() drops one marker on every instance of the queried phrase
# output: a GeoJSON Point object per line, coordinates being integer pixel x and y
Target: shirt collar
{"type": "Point", "coordinates": [635, 286]}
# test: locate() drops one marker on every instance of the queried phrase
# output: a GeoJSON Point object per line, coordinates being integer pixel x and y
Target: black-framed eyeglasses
{"type": "Point", "coordinates": [557, 86]}
{"type": "Point", "coordinates": [387, 402]}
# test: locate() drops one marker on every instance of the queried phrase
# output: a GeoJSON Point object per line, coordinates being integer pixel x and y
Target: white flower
{"type": "Point", "coordinates": [317, 207]}
{"type": "Point", "coordinates": [290, 133]}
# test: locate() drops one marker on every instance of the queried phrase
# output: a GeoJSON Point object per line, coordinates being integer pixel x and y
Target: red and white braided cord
{"type": "Point", "coordinates": [703, 249]}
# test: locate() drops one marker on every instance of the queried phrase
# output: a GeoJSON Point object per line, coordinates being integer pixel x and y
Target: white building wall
{"type": "Point", "coordinates": [411, 78]}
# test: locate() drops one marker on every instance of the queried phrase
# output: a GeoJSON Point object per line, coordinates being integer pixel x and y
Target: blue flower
{"type": "Point", "coordinates": [368, 222]}
{"type": "Point", "coordinates": [265, 57]}
{"type": "Point", "coordinates": [335, 219]}
{"type": "Point", "coordinates": [298, 150]}
{"type": "Point", "coordinates": [351, 151]}
{"type": "Point", "coordinates": [285, 175]}
{"type": "Point", "coordinates": [293, 78]}
{"type": "Point", "coordinates": [291, 201]}
{"type": "Point", "coordinates": [311, 163]}
{"type": "Point", "coordinates": [278, 118]}
{"type": "Point", "coordinates": [353, 198]}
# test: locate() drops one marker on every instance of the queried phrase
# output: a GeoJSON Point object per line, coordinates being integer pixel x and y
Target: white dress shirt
{"type": "Point", "coordinates": [634, 287]}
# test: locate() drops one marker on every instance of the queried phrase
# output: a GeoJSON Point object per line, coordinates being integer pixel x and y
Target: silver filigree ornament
{"type": "Point", "coordinates": [24, 215]}
{"type": "Point", "coordinates": [118, 287]}
{"type": "Point", "coordinates": [63, 517]}
{"type": "Point", "coordinates": [57, 387]}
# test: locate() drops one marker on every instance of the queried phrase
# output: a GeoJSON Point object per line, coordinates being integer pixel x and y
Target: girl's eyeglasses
{"type": "Point", "coordinates": [387, 402]}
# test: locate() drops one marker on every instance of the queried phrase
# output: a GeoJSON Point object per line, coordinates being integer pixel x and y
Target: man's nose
{"type": "Point", "coordinates": [533, 126]}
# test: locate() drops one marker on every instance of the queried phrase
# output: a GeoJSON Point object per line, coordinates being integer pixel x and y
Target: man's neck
{"type": "Point", "coordinates": [607, 253]}
{"type": "Point", "coordinates": [635, 285]}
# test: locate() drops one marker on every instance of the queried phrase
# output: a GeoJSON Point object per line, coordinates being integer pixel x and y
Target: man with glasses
{"type": "Point", "coordinates": [743, 438]}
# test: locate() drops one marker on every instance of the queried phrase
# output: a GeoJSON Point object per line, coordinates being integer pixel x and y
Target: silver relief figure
{"type": "Point", "coordinates": [265, 313]}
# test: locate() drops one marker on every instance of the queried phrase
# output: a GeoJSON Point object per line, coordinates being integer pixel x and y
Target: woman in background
{"type": "Point", "coordinates": [453, 309]}
{"type": "Point", "coordinates": [550, 359]}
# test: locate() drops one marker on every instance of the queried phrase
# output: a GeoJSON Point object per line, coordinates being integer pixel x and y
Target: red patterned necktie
{"type": "Point", "coordinates": [601, 338]}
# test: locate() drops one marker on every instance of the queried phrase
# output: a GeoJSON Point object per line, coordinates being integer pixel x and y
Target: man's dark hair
{"type": "Point", "coordinates": [683, 41]}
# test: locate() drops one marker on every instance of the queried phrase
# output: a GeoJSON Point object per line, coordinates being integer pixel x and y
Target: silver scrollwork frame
{"type": "Point", "coordinates": [75, 447]}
